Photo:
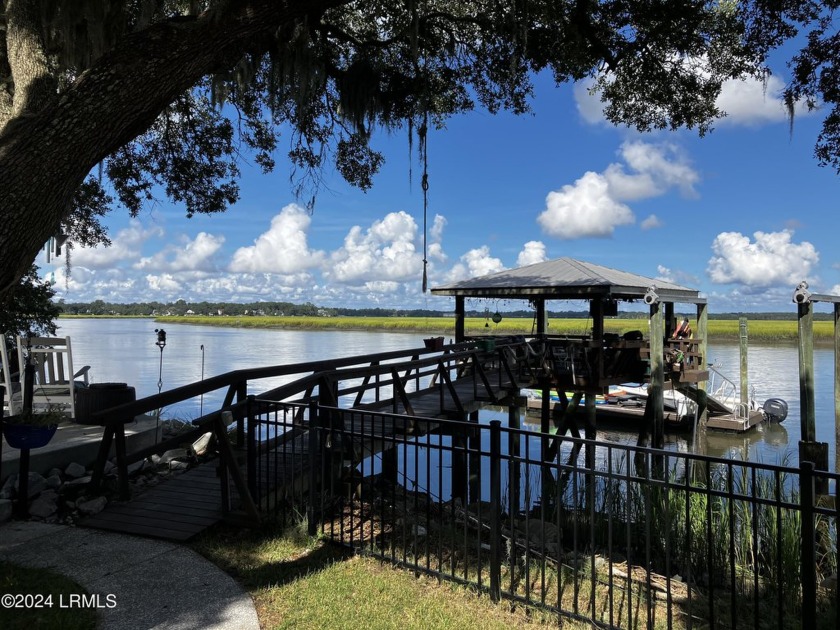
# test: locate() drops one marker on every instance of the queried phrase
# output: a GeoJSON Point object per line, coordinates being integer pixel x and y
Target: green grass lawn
{"type": "Point", "coordinates": [301, 582]}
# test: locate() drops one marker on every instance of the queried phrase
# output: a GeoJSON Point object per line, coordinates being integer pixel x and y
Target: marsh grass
{"type": "Point", "coordinates": [723, 544]}
{"type": "Point", "coordinates": [719, 329]}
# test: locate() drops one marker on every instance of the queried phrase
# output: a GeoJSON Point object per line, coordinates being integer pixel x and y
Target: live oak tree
{"type": "Point", "coordinates": [104, 102]}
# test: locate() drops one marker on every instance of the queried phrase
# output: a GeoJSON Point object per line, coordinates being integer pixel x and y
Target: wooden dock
{"type": "Point", "coordinates": [175, 509]}
{"type": "Point", "coordinates": [409, 396]}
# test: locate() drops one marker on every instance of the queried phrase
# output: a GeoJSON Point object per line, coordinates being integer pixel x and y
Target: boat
{"type": "Point", "coordinates": [626, 402]}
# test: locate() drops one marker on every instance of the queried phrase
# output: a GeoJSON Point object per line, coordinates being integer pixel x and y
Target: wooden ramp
{"type": "Point", "coordinates": [175, 509]}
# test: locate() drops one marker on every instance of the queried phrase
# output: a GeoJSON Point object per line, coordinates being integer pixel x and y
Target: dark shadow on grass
{"type": "Point", "coordinates": [244, 564]}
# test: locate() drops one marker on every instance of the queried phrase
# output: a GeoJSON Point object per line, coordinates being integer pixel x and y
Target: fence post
{"type": "Point", "coordinates": [495, 510]}
{"type": "Point", "coordinates": [251, 446]}
{"type": "Point", "coordinates": [807, 573]}
{"type": "Point", "coordinates": [313, 465]}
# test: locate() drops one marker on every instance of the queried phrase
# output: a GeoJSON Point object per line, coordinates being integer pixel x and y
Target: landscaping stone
{"type": "Point", "coordinates": [37, 483]}
{"type": "Point", "coordinates": [44, 506]}
{"type": "Point", "coordinates": [74, 470]}
{"type": "Point", "coordinates": [5, 510]}
{"type": "Point", "coordinates": [78, 482]}
{"type": "Point", "coordinates": [8, 488]}
{"type": "Point", "coordinates": [93, 506]}
{"type": "Point", "coordinates": [54, 482]}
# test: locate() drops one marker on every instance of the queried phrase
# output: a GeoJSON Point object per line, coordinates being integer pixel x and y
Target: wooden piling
{"type": "Point", "coordinates": [745, 385]}
{"type": "Point", "coordinates": [657, 374]}
{"type": "Point", "coordinates": [837, 387]}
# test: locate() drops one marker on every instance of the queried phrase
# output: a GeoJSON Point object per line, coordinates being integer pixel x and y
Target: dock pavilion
{"type": "Point", "coordinates": [605, 356]}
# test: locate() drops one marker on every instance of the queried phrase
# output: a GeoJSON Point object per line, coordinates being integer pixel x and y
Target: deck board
{"type": "Point", "coordinates": [174, 509]}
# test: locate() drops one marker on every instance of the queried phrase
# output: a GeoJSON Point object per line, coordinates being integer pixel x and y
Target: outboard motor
{"type": "Point", "coordinates": [775, 409]}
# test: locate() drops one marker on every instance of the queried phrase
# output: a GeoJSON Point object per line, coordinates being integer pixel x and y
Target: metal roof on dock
{"type": "Point", "coordinates": [568, 278]}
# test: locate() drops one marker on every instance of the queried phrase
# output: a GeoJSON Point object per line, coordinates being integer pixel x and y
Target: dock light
{"type": "Point", "coordinates": [161, 338]}
{"type": "Point", "coordinates": [802, 295]}
{"type": "Point", "coordinates": [651, 297]}
{"type": "Point", "coordinates": [497, 317]}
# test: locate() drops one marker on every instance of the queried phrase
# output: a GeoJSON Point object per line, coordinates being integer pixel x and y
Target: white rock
{"type": "Point", "coordinates": [176, 465]}
{"type": "Point", "coordinates": [175, 453]}
{"type": "Point", "coordinates": [136, 467]}
{"type": "Point", "coordinates": [199, 447]}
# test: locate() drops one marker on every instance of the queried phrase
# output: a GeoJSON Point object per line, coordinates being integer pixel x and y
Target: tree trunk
{"type": "Point", "coordinates": [46, 154]}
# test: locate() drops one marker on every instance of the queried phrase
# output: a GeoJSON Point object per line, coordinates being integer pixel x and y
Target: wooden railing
{"type": "Point", "coordinates": [397, 376]}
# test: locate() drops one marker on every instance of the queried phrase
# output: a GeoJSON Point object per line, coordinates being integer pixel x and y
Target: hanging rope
{"type": "Point", "coordinates": [425, 185]}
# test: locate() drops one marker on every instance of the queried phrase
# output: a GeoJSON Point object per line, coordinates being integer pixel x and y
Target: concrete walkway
{"type": "Point", "coordinates": [154, 584]}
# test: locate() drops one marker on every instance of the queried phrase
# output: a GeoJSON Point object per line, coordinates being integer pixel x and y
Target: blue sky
{"type": "Point", "coordinates": [743, 214]}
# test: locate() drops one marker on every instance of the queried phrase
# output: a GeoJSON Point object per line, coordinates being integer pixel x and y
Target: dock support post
{"type": "Point", "coordinates": [514, 474]}
{"type": "Point", "coordinates": [657, 374]}
{"type": "Point", "coordinates": [837, 387]}
{"type": "Point", "coordinates": [542, 322]}
{"type": "Point", "coordinates": [459, 318]}
{"type": "Point", "coordinates": [474, 465]}
{"type": "Point", "coordinates": [745, 383]}
{"type": "Point", "coordinates": [459, 463]}
{"type": "Point", "coordinates": [495, 511]}
{"type": "Point", "coordinates": [809, 449]}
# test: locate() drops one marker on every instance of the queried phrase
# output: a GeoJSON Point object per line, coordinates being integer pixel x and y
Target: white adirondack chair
{"type": "Point", "coordinates": [55, 381]}
{"type": "Point", "coordinates": [12, 396]}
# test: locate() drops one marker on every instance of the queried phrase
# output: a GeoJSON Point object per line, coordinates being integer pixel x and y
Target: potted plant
{"type": "Point", "coordinates": [31, 429]}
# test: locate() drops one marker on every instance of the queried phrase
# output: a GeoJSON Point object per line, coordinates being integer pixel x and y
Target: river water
{"type": "Point", "coordinates": [124, 350]}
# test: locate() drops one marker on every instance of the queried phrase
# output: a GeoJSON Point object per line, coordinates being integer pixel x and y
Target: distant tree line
{"type": "Point", "coordinates": [288, 309]}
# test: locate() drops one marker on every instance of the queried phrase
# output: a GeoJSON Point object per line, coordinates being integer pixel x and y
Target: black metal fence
{"type": "Point", "coordinates": [618, 535]}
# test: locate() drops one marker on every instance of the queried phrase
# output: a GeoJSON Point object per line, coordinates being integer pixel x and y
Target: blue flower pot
{"type": "Point", "coordinates": [27, 436]}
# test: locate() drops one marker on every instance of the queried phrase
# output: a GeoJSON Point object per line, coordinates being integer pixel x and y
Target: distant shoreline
{"type": "Point", "coordinates": [766, 331]}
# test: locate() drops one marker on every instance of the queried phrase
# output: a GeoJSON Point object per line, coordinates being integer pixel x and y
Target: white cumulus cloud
{"type": "Point", "coordinates": [771, 259]}
{"type": "Point", "coordinates": [125, 247]}
{"type": "Point", "coordinates": [594, 206]}
{"type": "Point", "coordinates": [532, 252]}
{"type": "Point", "coordinates": [650, 223]}
{"type": "Point", "coordinates": [583, 209]}
{"type": "Point", "coordinates": [283, 249]}
{"type": "Point", "coordinates": [194, 255]}
{"type": "Point", "coordinates": [748, 102]}
{"type": "Point", "coordinates": [475, 263]}
{"type": "Point", "coordinates": [386, 251]}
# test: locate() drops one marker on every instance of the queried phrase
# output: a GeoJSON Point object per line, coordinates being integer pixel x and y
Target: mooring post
{"type": "Point", "coordinates": [745, 385]}
{"type": "Point", "coordinates": [809, 449]}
